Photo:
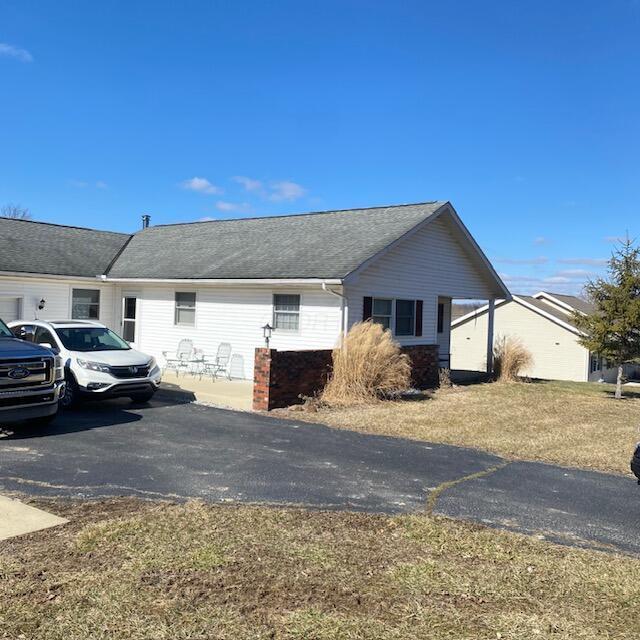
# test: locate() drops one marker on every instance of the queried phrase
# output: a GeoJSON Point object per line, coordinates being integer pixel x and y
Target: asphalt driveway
{"type": "Point", "coordinates": [180, 451]}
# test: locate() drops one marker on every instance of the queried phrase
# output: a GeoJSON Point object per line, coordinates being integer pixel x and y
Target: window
{"type": "Point", "coordinates": [595, 363]}
{"type": "Point", "coordinates": [286, 312]}
{"type": "Point", "coordinates": [43, 336]}
{"type": "Point", "coordinates": [24, 332]}
{"type": "Point", "coordinates": [85, 304]}
{"type": "Point", "coordinates": [405, 317]}
{"type": "Point", "coordinates": [381, 312]}
{"type": "Point", "coordinates": [185, 308]}
{"type": "Point", "coordinates": [5, 332]}
{"type": "Point", "coordinates": [91, 339]}
{"type": "Point", "coordinates": [440, 317]}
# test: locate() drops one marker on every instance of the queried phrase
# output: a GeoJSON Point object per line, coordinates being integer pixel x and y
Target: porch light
{"type": "Point", "coordinates": [41, 304]}
{"type": "Point", "coordinates": [266, 332]}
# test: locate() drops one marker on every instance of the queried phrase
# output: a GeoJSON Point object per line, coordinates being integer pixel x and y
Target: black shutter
{"type": "Point", "coordinates": [418, 317]}
{"type": "Point", "coordinates": [367, 306]}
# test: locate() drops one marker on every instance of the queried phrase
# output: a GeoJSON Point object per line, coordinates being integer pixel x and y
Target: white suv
{"type": "Point", "coordinates": [97, 362]}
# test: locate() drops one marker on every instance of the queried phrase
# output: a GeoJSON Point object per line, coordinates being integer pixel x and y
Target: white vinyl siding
{"type": "Point", "coordinates": [235, 315]}
{"type": "Point", "coordinates": [57, 294]}
{"type": "Point", "coordinates": [430, 263]}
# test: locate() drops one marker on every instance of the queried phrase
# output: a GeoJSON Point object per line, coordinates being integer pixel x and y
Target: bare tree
{"type": "Point", "coordinates": [15, 211]}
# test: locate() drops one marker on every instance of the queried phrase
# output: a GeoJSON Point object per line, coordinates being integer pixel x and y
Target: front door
{"type": "Point", "coordinates": [130, 319]}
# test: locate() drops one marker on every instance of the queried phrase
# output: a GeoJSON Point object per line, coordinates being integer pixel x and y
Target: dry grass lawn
{"type": "Point", "coordinates": [573, 424]}
{"type": "Point", "coordinates": [126, 570]}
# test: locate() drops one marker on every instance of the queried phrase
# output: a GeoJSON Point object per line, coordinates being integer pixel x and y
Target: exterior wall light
{"type": "Point", "coordinates": [266, 332]}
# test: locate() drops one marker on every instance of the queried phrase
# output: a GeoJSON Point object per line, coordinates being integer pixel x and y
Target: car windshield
{"type": "Point", "coordinates": [5, 332]}
{"type": "Point", "coordinates": [91, 339]}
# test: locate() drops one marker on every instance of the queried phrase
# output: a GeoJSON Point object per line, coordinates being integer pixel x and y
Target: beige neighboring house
{"type": "Point", "coordinates": [543, 323]}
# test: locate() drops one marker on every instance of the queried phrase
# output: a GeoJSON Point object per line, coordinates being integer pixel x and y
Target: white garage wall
{"type": "Point", "coordinates": [57, 294]}
{"type": "Point", "coordinates": [556, 352]}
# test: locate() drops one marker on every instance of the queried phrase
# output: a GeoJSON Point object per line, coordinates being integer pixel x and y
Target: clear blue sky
{"type": "Point", "coordinates": [526, 115]}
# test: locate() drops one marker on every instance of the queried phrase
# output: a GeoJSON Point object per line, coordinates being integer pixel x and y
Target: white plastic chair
{"type": "Point", "coordinates": [181, 358]}
{"type": "Point", "coordinates": [220, 364]}
{"type": "Point", "coordinates": [236, 367]}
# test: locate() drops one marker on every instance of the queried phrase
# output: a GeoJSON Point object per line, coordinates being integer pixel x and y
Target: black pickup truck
{"type": "Point", "coordinates": [31, 381]}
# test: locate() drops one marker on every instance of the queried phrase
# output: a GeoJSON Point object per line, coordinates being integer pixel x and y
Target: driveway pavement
{"type": "Point", "coordinates": [170, 451]}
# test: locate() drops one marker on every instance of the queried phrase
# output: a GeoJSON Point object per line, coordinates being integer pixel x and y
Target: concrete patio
{"type": "Point", "coordinates": [229, 394]}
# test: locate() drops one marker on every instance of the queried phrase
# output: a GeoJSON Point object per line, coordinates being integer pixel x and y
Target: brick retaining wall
{"type": "Point", "coordinates": [281, 377]}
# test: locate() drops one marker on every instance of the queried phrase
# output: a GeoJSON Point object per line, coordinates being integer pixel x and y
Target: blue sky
{"type": "Point", "coordinates": [523, 114]}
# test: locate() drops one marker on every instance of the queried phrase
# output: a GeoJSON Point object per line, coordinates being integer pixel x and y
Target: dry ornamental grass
{"type": "Point", "coordinates": [367, 367]}
{"type": "Point", "coordinates": [510, 358]}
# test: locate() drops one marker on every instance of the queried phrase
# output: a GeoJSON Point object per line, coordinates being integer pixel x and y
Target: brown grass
{"type": "Point", "coordinates": [569, 423]}
{"type": "Point", "coordinates": [367, 367]}
{"type": "Point", "coordinates": [510, 358]}
{"type": "Point", "coordinates": [126, 570]}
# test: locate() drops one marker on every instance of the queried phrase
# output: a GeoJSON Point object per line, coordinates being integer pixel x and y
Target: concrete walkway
{"type": "Point", "coordinates": [17, 518]}
{"type": "Point", "coordinates": [231, 394]}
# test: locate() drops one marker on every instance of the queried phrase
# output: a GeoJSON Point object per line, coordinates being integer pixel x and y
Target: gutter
{"type": "Point", "coordinates": [344, 308]}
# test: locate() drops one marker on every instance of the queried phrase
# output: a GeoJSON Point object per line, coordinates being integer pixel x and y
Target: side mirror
{"type": "Point", "coordinates": [46, 344]}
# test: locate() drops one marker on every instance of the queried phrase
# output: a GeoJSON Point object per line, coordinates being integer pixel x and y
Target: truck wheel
{"type": "Point", "coordinates": [142, 397]}
{"type": "Point", "coordinates": [70, 395]}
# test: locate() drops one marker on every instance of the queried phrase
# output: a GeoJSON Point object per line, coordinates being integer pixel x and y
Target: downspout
{"type": "Point", "coordinates": [344, 309]}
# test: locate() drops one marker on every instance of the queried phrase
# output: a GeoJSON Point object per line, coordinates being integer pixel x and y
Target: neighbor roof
{"type": "Point", "coordinates": [327, 245]}
{"type": "Point", "coordinates": [573, 301]}
{"type": "Point", "coordinates": [40, 247]}
{"type": "Point", "coordinates": [548, 308]}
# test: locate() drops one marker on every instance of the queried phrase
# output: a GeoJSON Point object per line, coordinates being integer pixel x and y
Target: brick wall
{"type": "Point", "coordinates": [281, 377]}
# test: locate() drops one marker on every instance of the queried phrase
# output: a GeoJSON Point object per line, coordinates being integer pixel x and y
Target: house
{"type": "Point", "coordinates": [544, 325]}
{"type": "Point", "coordinates": [310, 276]}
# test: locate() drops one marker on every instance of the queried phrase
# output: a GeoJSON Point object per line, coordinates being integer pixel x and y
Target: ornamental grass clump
{"type": "Point", "coordinates": [510, 359]}
{"type": "Point", "coordinates": [367, 367]}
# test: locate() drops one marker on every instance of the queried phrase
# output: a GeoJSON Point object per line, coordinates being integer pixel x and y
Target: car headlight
{"type": "Point", "coordinates": [94, 366]}
{"type": "Point", "coordinates": [58, 368]}
{"type": "Point", "coordinates": [152, 363]}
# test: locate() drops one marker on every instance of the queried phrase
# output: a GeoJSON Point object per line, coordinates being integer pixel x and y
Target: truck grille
{"type": "Point", "coordinates": [26, 400]}
{"type": "Point", "coordinates": [25, 373]}
{"type": "Point", "coordinates": [141, 371]}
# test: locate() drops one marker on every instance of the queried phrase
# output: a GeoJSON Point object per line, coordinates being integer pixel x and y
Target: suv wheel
{"type": "Point", "coordinates": [70, 395]}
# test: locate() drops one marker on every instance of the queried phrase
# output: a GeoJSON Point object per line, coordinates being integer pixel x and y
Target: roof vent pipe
{"type": "Point", "coordinates": [146, 219]}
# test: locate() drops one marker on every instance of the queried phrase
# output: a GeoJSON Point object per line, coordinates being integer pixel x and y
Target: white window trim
{"type": "Point", "coordinates": [84, 289]}
{"type": "Point", "coordinates": [288, 332]}
{"type": "Point", "coordinates": [195, 309]}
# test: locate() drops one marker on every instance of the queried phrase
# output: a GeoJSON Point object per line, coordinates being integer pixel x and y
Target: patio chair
{"type": "Point", "coordinates": [220, 364]}
{"type": "Point", "coordinates": [236, 367]}
{"type": "Point", "coordinates": [180, 360]}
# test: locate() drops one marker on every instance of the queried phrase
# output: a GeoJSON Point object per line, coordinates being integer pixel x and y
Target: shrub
{"type": "Point", "coordinates": [444, 378]}
{"type": "Point", "coordinates": [367, 367]}
{"type": "Point", "coordinates": [510, 358]}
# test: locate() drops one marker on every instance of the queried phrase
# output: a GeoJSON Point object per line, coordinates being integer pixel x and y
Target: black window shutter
{"type": "Point", "coordinates": [418, 317]}
{"type": "Point", "coordinates": [367, 306]}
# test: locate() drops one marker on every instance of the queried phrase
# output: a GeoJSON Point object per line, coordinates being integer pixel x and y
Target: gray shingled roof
{"type": "Point", "coordinates": [573, 301]}
{"type": "Point", "coordinates": [38, 247]}
{"type": "Point", "coordinates": [328, 245]}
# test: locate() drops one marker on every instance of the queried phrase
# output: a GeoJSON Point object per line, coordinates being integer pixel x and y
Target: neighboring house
{"type": "Point", "coordinates": [543, 324]}
{"type": "Point", "coordinates": [310, 276]}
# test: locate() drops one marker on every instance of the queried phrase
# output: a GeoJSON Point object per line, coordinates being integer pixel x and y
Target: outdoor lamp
{"type": "Point", "coordinates": [266, 332]}
{"type": "Point", "coordinates": [41, 304]}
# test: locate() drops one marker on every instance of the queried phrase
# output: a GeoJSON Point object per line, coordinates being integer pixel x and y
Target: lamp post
{"type": "Point", "coordinates": [266, 332]}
